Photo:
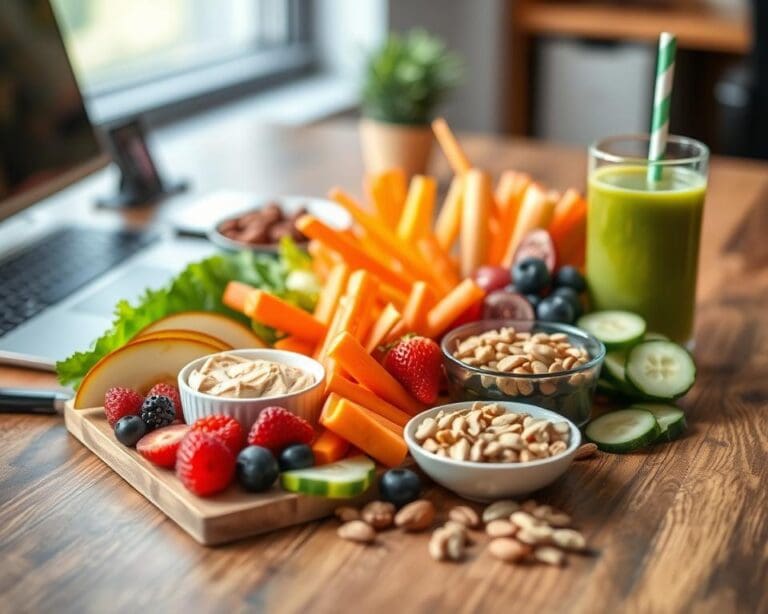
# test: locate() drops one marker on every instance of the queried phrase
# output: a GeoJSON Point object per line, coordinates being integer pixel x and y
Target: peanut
{"type": "Point", "coordinates": [357, 531]}
{"type": "Point", "coordinates": [508, 550]}
{"type": "Point", "coordinates": [378, 514]}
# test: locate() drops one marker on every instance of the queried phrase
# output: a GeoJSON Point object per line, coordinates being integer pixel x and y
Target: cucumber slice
{"type": "Point", "coordinates": [651, 336]}
{"type": "Point", "coordinates": [616, 329]}
{"type": "Point", "coordinates": [614, 366]}
{"type": "Point", "coordinates": [671, 419]}
{"type": "Point", "coordinates": [624, 430]}
{"type": "Point", "coordinates": [340, 480]}
{"type": "Point", "coordinates": [660, 369]}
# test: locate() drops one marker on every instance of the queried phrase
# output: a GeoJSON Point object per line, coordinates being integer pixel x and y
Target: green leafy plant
{"type": "Point", "coordinates": [407, 77]}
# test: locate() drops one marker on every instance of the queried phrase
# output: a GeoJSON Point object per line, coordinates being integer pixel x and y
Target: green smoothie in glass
{"type": "Point", "coordinates": [643, 235]}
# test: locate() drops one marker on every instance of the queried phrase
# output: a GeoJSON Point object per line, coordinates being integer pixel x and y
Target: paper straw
{"type": "Point", "coordinates": [665, 72]}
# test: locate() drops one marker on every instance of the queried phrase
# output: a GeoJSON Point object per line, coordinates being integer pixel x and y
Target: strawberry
{"type": "Point", "coordinates": [119, 402]}
{"type": "Point", "coordinates": [277, 428]}
{"type": "Point", "coordinates": [167, 390]}
{"type": "Point", "coordinates": [160, 446]}
{"type": "Point", "coordinates": [225, 428]}
{"type": "Point", "coordinates": [417, 363]}
{"type": "Point", "coordinates": [204, 463]}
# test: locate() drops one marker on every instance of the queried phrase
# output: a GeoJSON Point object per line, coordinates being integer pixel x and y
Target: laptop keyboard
{"type": "Point", "coordinates": [47, 271]}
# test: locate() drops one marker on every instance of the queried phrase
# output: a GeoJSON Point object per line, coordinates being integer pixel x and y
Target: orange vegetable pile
{"type": "Point", "coordinates": [394, 273]}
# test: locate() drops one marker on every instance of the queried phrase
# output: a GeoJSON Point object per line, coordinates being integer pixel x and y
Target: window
{"type": "Point", "coordinates": [117, 46]}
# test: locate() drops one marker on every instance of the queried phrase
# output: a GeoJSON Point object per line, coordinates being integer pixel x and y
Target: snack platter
{"type": "Point", "coordinates": [232, 515]}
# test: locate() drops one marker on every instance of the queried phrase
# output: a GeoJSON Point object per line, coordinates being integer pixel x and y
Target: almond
{"type": "Point", "coordinates": [416, 516]}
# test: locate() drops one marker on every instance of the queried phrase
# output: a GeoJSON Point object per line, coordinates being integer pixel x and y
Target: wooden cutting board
{"type": "Point", "coordinates": [231, 515]}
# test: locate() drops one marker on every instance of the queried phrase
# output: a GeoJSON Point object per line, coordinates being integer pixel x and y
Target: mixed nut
{"type": "Point", "coordinates": [522, 353]}
{"type": "Point", "coordinates": [487, 433]}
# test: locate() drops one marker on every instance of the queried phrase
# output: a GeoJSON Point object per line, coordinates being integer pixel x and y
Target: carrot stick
{"type": "Point", "coordinates": [415, 312]}
{"type": "Point", "coordinates": [359, 297]}
{"type": "Point", "coordinates": [354, 256]}
{"type": "Point", "coordinates": [356, 361]}
{"type": "Point", "coordinates": [358, 426]}
{"type": "Point", "coordinates": [439, 260]}
{"type": "Point", "coordinates": [358, 394]}
{"type": "Point", "coordinates": [419, 208]}
{"type": "Point", "coordinates": [569, 227]}
{"type": "Point", "coordinates": [571, 204]}
{"type": "Point", "coordinates": [451, 306]}
{"type": "Point", "coordinates": [478, 201]}
{"type": "Point", "coordinates": [535, 212]}
{"type": "Point", "coordinates": [236, 295]}
{"type": "Point", "coordinates": [277, 313]}
{"type": "Point", "coordinates": [509, 193]}
{"type": "Point", "coordinates": [448, 222]}
{"type": "Point", "coordinates": [393, 295]}
{"type": "Point", "coordinates": [385, 322]}
{"type": "Point", "coordinates": [387, 192]}
{"type": "Point", "coordinates": [329, 447]}
{"type": "Point", "coordinates": [294, 344]}
{"type": "Point", "coordinates": [450, 146]}
{"type": "Point", "coordinates": [331, 292]}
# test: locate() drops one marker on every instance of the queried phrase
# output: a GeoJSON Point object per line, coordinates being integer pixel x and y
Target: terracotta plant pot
{"type": "Point", "coordinates": [387, 146]}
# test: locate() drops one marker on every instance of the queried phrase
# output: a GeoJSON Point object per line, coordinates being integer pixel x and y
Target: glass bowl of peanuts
{"type": "Point", "coordinates": [486, 450]}
{"type": "Point", "coordinates": [551, 365]}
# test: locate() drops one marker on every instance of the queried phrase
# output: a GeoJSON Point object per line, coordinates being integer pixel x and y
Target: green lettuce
{"type": "Point", "coordinates": [199, 287]}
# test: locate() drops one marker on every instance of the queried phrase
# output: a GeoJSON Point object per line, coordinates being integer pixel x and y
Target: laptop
{"type": "Point", "coordinates": [59, 279]}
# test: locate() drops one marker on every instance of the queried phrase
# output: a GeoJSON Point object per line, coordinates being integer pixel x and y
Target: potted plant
{"type": "Point", "coordinates": [404, 81]}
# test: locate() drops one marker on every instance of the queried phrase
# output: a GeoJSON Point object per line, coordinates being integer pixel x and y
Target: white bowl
{"type": "Point", "coordinates": [489, 481]}
{"type": "Point", "coordinates": [304, 403]}
{"type": "Point", "coordinates": [327, 211]}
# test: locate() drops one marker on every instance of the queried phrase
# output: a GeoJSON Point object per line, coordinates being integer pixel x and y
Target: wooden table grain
{"type": "Point", "coordinates": [676, 528]}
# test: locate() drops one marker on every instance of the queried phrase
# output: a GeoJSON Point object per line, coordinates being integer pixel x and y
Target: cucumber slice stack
{"type": "Point", "coordinates": [340, 480]}
{"type": "Point", "coordinates": [671, 419]}
{"type": "Point", "coordinates": [616, 329]}
{"type": "Point", "coordinates": [625, 430]}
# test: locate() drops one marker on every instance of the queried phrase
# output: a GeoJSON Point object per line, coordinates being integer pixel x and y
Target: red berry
{"type": "Point", "coordinates": [225, 428]}
{"type": "Point", "coordinates": [168, 390]}
{"type": "Point", "coordinates": [161, 445]}
{"type": "Point", "coordinates": [119, 402]}
{"type": "Point", "coordinates": [204, 464]}
{"type": "Point", "coordinates": [417, 363]}
{"type": "Point", "coordinates": [277, 428]}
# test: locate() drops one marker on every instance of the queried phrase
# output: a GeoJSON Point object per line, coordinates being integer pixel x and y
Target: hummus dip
{"type": "Point", "coordinates": [230, 376]}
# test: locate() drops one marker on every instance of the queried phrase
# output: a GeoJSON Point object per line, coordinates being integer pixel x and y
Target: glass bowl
{"type": "Point", "coordinates": [568, 392]}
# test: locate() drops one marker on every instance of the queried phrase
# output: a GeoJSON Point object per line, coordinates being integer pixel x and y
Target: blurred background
{"type": "Point", "coordinates": [563, 70]}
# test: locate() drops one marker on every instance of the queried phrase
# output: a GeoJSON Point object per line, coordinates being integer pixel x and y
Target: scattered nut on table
{"type": "Point", "coordinates": [357, 531]}
{"type": "Point", "coordinates": [378, 514]}
{"type": "Point", "coordinates": [416, 516]}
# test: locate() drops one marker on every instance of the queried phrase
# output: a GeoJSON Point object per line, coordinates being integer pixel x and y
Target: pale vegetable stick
{"type": "Point", "coordinates": [475, 214]}
{"type": "Point", "coordinates": [419, 208]}
{"type": "Point", "coordinates": [449, 219]}
{"type": "Point", "coordinates": [450, 146]}
{"type": "Point", "coordinates": [509, 194]}
{"type": "Point", "coordinates": [535, 212]}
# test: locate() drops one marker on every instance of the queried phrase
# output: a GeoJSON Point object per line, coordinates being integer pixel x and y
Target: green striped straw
{"type": "Point", "coordinates": [665, 72]}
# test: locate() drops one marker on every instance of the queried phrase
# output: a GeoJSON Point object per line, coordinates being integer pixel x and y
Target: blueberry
{"type": "Point", "coordinates": [256, 468]}
{"type": "Point", "coordinates": [297, 456]}
{"type": "Point", "coordinates": [129, 429]}
{"type": "Point", "coordinates": [569, 277]}
{"type": "Point", "coordinates": [572, 297]}
{"type": "Point", "coordinates": [530, 275]}
{"type": "Point", "coordinates": [399, 486]}
{"type": "Point", "coordinates": [555, 308]}
{"type": "Point", "coordinates": [533, 299]}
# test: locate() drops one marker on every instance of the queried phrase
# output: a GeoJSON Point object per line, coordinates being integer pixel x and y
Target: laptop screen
{"type": "Point", "coordinates": [46, 139]}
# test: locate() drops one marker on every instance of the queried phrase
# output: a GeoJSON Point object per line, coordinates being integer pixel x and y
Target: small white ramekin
{"type": "Point", "coordinates": [304, 403]}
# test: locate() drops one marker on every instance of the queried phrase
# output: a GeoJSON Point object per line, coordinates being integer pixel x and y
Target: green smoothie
{"type": "Point", "coordinates": [643, 244]}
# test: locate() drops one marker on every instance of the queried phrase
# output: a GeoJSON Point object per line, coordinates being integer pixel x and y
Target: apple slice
{"type": "Point", "coordinates": [192, 335]}
{"type": "Point", "coordinates": [139, 365]}
{"type": "Point", "coordinates": [215, 324]}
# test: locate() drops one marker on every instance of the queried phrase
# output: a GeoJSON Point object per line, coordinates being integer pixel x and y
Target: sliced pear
{"type": "Point", "coordinates": [139, 365]}
{"type": "Point", "coordinates": [215, 324]}
{"type": "Point", "coordinates": [193, 335]}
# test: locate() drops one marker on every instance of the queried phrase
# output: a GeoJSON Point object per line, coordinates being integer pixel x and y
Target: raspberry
{"type": "Point", "coordinates": [119, 402]}
{"type": "Point", "coordinates": [224, 428]}
{"type": "Point", "coordinates": [277, 428]}
{"type": "Point", "coordinates": [157, 411]}
{"type": "Point", "coordinates": [167, 390]}
{"type": "Point", "coordinates": [204, 464]}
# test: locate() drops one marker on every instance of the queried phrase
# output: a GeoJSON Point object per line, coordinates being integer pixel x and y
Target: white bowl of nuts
{"type": "Point", "coordinates": [487, 450]}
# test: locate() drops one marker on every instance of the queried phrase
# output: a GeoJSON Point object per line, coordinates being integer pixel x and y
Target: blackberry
{"type": "Point", "coordinates": [157, 411]}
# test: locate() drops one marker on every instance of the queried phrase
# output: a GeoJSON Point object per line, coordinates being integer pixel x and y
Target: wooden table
{"type": "Point", "coordinates": [680, 527]}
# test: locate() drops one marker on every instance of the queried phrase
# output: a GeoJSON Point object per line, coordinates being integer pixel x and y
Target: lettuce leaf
{"type": "Point", "coordinates": [199, 287]}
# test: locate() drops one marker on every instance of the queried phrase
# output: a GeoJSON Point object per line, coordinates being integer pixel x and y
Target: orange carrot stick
{"type": "Point", "coordinates": [236, 294]}
{"type": "Point", "coordinates": [277, 313]}
{"type": "Point", "coordinates": [509, 194]}
{"type": "Point", "coordinates": [354, 256]}
{"type": "Point", "coordinates": [535, 212]}
{"type": "Point", "coordinates": [356, 361]}
{"type": "Point", "coordinates": [440, 261]}
{"type": "Point", "coordinates": [450, 146]}
{"type": "Point", "coordinates": [359, 296]}
{"type": "Point", "coordinates": [448, 222]}
{"type": "Point", "coordinates": [387, 192]}
{"type": "Point", "coordinates": [329, 447]}
{"type": "Point", "coordinates": [419, 208]}
{"type": "Point", "coordinates": [415, 312]}
{"type": "Point", "coordinates": [451, 306]}
{"type": "Point", "coordinates": [387, 319]}
{"type": "Point", "coordinates": [478, 202]}
{"type": "Point", "coordinates": [294, 344]}
{"type": "Point", "coordinates": [359, 426]}
{"type": "Point", "coordinates": [331, 292]}
{"type": "Point", "coordinates": [362, 396]}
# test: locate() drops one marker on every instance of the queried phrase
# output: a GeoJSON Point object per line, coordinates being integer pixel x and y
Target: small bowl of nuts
{"type": "Point", "coordinates": [492, 450]}
{"type": "Point", "coordinates": [551, 365]}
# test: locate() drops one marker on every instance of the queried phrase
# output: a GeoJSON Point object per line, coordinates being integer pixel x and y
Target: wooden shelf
{"type": "Point", "coordinates": [696, 26]}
